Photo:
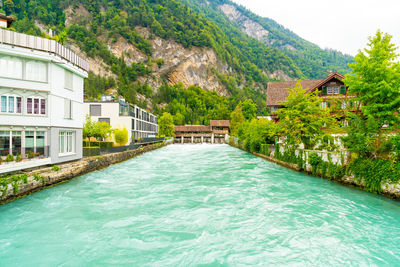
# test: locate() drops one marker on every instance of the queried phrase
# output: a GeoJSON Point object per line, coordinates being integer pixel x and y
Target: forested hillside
{"type": "Point", "coordinates": [142, 47]}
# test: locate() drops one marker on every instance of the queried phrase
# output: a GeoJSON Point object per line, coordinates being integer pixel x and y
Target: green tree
{"type": "Point", "coordinates": [375, 80]}
{"type": "Point", "coordinates": [8, 6]}
{"type": "Point", "coordinates": [166, 125]}
{"type": "Point", "coordinates": [121, 136]}
{"type": "Point", "coordinates": [303, 119]}
{"type": "Point", "coordinates": [249, 109]}
{"type": "Point", "coordinates": [257, 132]}
{"type": "Point", "coordinates": [88, 130]}
{"type": "Point", "coordinates": [102, 130]}
{"type": "Point", "coordinates": [237, 119]}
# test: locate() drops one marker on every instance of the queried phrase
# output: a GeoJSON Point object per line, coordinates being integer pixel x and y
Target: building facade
{"type": "Point", "coordinates": [41, 98]}
{"type": "Point", "coordinates": [119, 114]}
{"type": "Point", "coordinates": [332, 90]}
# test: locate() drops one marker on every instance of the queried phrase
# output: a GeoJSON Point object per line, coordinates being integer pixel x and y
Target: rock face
{"type": "Point", "coordinates": [258, 32]}
{"type": "Point", "coordinates": [194, 66]}
{"type": "Point", "coordinates": [248, 26]}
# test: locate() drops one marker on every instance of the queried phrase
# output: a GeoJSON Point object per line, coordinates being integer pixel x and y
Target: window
{"type": "Point", "coordinates": [36, 106]}
{"type": "Point", "coordinates": [11, 104]}
{"type": "Point", "coordinates": [95, 110]}
{"type": "Point", "coordinates": [68, 80]}
{"type": "Point", "coordinates": [3, 103]}
{"type": "Point", "coordinates": [67, 109]}
{"type": "Point", "coordinates": [336, 90]}
{"type": "Point", "coordinates": [29, 141]}
{"type": "Point", "coordinates": [4, 143]}
{"type": "Point", "coordinates": [11, 67]}
{"type": "Point", "coordinates": [18, 68]}
{"type": "Point", "coordinates": [36, 71]}
{"type": "Point", "coordinates": [330, 90]}
{"type": "Point", "coordinates": [66, 139]}
{"type": "Point", "coordinates": [104, 120]}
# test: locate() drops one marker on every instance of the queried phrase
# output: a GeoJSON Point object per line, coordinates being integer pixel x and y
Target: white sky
{"type": "Point", "coordinates": [343, 25]}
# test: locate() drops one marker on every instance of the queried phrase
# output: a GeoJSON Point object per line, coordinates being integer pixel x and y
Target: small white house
{"type": "Point", "coordinates": [119, 114]}
{"type": "Point", "coordinates": [41, 100]}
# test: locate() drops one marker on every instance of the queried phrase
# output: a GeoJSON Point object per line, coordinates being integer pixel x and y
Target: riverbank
{"type": "Point", "coordinates": [26, 183]}
{"type": "Point", "coordinates": [389, 190]}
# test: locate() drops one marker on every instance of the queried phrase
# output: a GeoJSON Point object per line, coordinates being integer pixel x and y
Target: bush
{"type": "Point", "coordinates": [18, 158]}
{"type": "Point", "coordinates": [325, 169]}
{"type": "Point", "coordinates": [55, 168]}
{"type": "Point", "coordinates": [101, 144]}
{"type": "Point", "coordinates": [9, 158]}
{"type": "Point", "coordinates": [91, 151]}
{"type": "Point", "coordinates": [373, 172]}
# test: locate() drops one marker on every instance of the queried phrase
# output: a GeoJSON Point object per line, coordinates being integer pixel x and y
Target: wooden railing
{"type": "Point", "coordinates": [42, 44]}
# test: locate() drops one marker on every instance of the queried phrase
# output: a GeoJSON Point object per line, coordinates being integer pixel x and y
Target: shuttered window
{"type": "Point", "coordinates": [95, 110]}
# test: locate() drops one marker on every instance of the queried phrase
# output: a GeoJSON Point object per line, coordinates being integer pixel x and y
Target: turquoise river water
{"type": "Point", "coordinates": [189, 205]}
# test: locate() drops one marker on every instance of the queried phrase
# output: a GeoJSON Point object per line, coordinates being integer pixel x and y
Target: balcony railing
{"type": "Point", "coordinates": [42, 44]}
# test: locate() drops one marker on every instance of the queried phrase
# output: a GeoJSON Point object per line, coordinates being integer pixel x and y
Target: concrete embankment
{"type": "Point", "coordinates": [390, 190]}
{"type": "Point", "coordinates": [40, 179]}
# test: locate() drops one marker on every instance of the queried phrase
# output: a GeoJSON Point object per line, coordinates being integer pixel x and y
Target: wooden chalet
{"type": "Point", "coordinates": [217, 132]}
{"type": "Point", "coordinates": [332, 89]}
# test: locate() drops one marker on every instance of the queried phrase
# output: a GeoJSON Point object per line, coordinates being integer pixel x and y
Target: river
{"type": "Point", "coordinates": [186, 205]}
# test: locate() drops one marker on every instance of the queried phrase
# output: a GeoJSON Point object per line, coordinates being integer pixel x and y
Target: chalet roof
{"type": "Point", "coordinates": [220, 123]}
{"type": "Point", "coordinates": [277, 91]}
{"type": "Point", "coordinates": [193, 128]}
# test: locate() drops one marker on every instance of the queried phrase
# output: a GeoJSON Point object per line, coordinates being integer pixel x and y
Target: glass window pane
{"type": "Point", "coordinates": [29, 106]}
{"type": "Point", "coordinates": [61, 142]}
{"type": "Point", "coordinates": [19, 105]}
{"type": "Point", "coordinates": [36, 106]}
{"type": "Point", "coordinates": [39, 144]}
{"type": "Point", "coordinates": [29, 141]}
{"type": "Point", "coordinates": [42, 106]}
{"type": "Point", "coordinates": [3, 103]}
{"type": "Point", "coordinates": [11, 104]}
{"type": "Point", "coordinates": [5, 144]}
{"type": "Point", "coordinates": [16, 143]}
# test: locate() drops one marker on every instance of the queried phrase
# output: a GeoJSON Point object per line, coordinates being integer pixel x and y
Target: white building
{"type": "Point", "coordinates": [119, 114]}
{"type": "Point", "coordinates": [41, 100]}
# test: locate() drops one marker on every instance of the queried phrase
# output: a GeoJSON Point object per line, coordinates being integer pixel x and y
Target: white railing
{"type": "Point", "coordinates": [42, 44]}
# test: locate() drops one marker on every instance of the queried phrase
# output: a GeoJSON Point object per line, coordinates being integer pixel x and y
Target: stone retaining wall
{"type": "Point", "coordinates": [390, 190]}
{"type": "Point", "coordinates": [68, 171]}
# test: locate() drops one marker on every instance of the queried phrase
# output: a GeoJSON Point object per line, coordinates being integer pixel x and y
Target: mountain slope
{"type": "Point", "coordinates": [313, 62]}
{"type": "Point", "coordinates": [142, 47]}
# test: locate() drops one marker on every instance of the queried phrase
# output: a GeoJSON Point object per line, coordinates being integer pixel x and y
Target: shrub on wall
{"type": "Point", "coordinates": [373, 172]}
{"type": "Point", "coordinates": [91, 151]}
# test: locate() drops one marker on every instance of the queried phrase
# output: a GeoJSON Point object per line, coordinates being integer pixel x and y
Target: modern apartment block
{"type": "Point", "coordinates": [119, 114]}
{"type": "Point", "coordinates": [41, 100]}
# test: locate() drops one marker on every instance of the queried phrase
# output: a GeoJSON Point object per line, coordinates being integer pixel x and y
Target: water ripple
{"type": "Point", "coordinates": [187, 205]}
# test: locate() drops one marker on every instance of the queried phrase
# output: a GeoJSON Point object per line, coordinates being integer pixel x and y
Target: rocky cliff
{"type": "Point", "coordinates": [189, 66]}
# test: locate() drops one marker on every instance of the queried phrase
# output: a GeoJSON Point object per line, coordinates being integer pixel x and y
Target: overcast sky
{"type": "Point", "coordinates": [343, 25]}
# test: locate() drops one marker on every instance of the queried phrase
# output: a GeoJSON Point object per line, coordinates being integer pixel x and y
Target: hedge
{"type": "Point", "coordinates": [101, 144]}
{"type": "Point", "coordinates": [91, 151]}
